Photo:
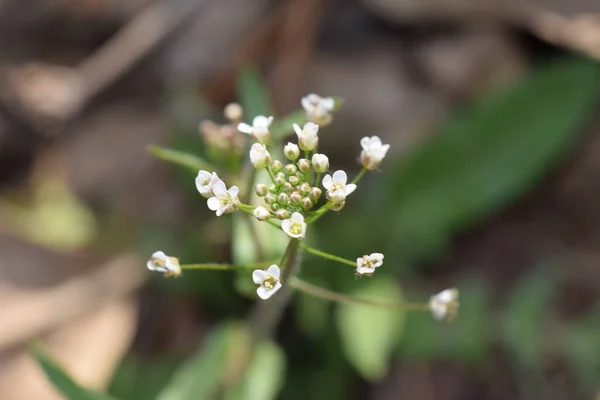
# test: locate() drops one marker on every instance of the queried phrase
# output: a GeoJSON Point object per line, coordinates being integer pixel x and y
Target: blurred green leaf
{"type": "Point", "coordinates": [197, 378]}
{"type": "Point", "coordinates": [181, 158]}
{"type": "Point", "coordinates": [311, 313]}
{"type": "Point", "coordinates": [253, 94]}
{"type": "Point", "coordinates": [582, 349]}
{"type": "Point", "coordinates": [61, 380]}
{"type": "Point", "coordinates": [526, 318]}
{"type": "Point", "coordinates": [283, 126]}
{"type": "Point", "coordinates": [265, 376]}
{"type": "Point", "coordinates": [370, 334]}
{"type": "Point", "coordinates": [488, 155]}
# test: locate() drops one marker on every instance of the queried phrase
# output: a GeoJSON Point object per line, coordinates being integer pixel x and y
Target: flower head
{"type": "Point", "coordinates": [444, 305]}
{"type": "Point", "coordinates": [261, 213]}
{"type": "Point", "coordinates": [366, 264]}
{"type": "Point", "coordinates": [223, 201]}
{"type": "Point", "coordinates": [161, 262]}
{"type": "Point", "coordinates": [307, 136]}
{"type": "Point", "coordinates": [259, 156]}
{"type": "Point", "coordinates": [259, 130]}
{"type": "Point", "coordinates": [204, 182]}
{"type": "Point", "coordinates": [294, 227]}
{"type": "Point", "coordinates": [373, 152]}
{"type": "Point", "coordinates": [336, 186]}
{"type": "Point", "coordinates": [268, 280]}
{"type": "Point", "coordinates": [318, 109]}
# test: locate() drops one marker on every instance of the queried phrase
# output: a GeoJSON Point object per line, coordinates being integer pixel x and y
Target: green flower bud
{"type": "Point", "coordinates": [283, 199]}
{"type": "Point", "coordinates": [307, 203]}
{"type": "Point", "coordinates": [291, 151]}
{"type": "Point", "coordinates": [282, 214]}
{"type": "Point", "coordinates": [293, 180]}
{"type": "Point", "coordinates": [315, 194]}
{"type": "Point", "coordinates": [304, 165]}
{"type": "Point", "coordinates": [296, 198]}
{"type": "Point", "coordinates": [261, 189]}
{"type": "Point", "coordinates": [270, 198]}
{"type": "Point", "coordinates": [276, 166]}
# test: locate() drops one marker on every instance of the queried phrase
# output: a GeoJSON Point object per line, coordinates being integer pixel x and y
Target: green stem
{"type": "Point", "coordinates": [318, 179]}
{"type": "Point", "coordinates": [249, 209]}
{"type": "Point", "coordinates": [326, 255]}
{"type": "Point", "coordinates": [319, 213]}
{"type": "Point", "coordinates": [360, 175]}
{"type": "Point", "coordinates": [271, 175]}
{"type": "Point", "coordinates": [317, 291]}
{"type": "Point", "coordinates": [228, 267]}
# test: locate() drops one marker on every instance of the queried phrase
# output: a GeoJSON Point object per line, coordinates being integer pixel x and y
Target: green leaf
{"type": "Point", "coordinates": [490, 154]}
{"type": "Point", "coordinates": [369, 334]}
{"type": "Point", "coordinates": [198, 378]}
{"type": "Point", "coordinates": [283, 126]}
{"type": "Point", "coordinates": [253, 94]}
{"type": "Point", "coordinates": [61, 380]}
{"type": "Point", "coordinates": [265, 376]}
{"type": "Point", "coordinates": [181, 158]}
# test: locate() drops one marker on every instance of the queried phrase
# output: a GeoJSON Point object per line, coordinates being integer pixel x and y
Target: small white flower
{"type": "Point", "coordinates": [259, 129]}
{"type": "Point", "coordinates": [259, 156]}
{"type": "Point", "coordinates": [268, 280]}
{"type": "Point", "coordinates": [308, 138]}
{"type": "Point", "coordinates": [366, 264]}
{"type": "Point", "coordinates": [444, 305]}
{"type": "Point", "coordinates": [373, 152]}
{"type": "Point", "coordinates": [318, 109]}
{"type": "Point", "coordinates": [336, 186]}
{"type": "Point", "coordinates": [294, 227]}
{"type": "Point", "coordinates": [320, 162]}
{"type": "Point", "coordinates": [204, 182]}
{"type": "Point", "coordinates": [161, 262]}
{"type": "Point", "coordinates": [261, 213]}
{"type": "Point", "coordinates": [223, 201]}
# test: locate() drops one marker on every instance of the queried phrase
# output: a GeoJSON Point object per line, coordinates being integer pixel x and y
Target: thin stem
{"type": "Point", "coordinates": [307, 155]}
{"type": "Point", "coordinates": [317, 291]}
{"type": "Point", "coordinates": [326, 255]}
{"type": "Point", "coordinates": [319, 213]}
{"type": "Point", "coordinates": [249, 209]}
{"type": "Point", "coordinates": [228, 267]}
{"type": "Point", "coordinates": [360, 175]}
{"type": "Point", "coordinates": [318, 179]}
{"type": "Point", "coordinates": [271, 175]}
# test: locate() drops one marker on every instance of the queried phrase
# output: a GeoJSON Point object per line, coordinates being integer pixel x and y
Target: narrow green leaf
{"type": "Point", "coordinates": [369, 335]}
{"type": "Point", "coordinates": [490, 154]}
{"type": "Point", "coordinates": [61, 379]}
{"type": "Point", "coordinates": [253, 94]}
{"type": "Point", "coordinates": [197, 378]}
{"type": "Point", "coordinates": [283, 126]}
{"type": "Point", "coordinates": [181, 158]}
{"type": "Point", "coordinates": [265, 376]}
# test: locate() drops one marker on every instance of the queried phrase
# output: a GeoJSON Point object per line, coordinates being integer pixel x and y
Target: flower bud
{"type": "Point", "coordinates": [275, 206]}
{"type": "Point", "coordinates": [291, 151]}
{"type": "Point", "coordinates": [282, 214]}
{"type": "Point", "coordinates": [315, 194]}
{"type": "Point", "coordinates": [276, 166]}
{"type": "Point", "coordinates": [279, 180]}
{"type": "Point", "coordinates": [296, 198]}
{"type": "Point", "coordinates": [320, 163]}
{"type": "Point", "coordinates": [307, 203]}
{"type": "Point", "coordinates": [259, 156]}
{"type": "Point", "coordinates": [283, 199]}
{"type": "Point", "coordinates": [290, 169]}
{"type": "Point", "coordinates": [308, 138]}
{"type": "Point", "coordinates": [338, 206]}
{"type": "Point", "coordinates": [304, 188]}
{"type": "Point", "coordinates": [272, 188]}
{"type": "Point", "coordinates": [287, 187]}
{"type": "Point", "coordinates": [233, 112]}
{"type": "Point", "coordinates": [293, 180]}
{"type": "Point", "coordinates": [261, 213]}
{"type": "Point", "coordinates": [304, 165]}
{"type": "Point", "coordinates": [270, 198]}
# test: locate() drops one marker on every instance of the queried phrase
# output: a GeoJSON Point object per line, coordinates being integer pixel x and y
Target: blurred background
{"type": "Point", "coordinates": [491, 185]}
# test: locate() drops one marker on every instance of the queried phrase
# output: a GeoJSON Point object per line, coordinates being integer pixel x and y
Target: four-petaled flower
{"type": "Point", "coordinates": [366, 264]}
{"type": "Point", "coordinates": [259, 130]}
{"type": "Point", "coordinates": [204, 182]}
{"type": "Point", "coordinates": [268, 280]}
{"type": "Point", "coordinates": [373, 152]}
{"type": "Point", "coordinates": [308, 138]}
{"type": "Point", "coordinates": [294, 227]}
{"type": "Point", "coordinates": [259, 156]}
{"type": "Point", "coordinates": [161, 262]}
{"type": "Point", "coordinates": [336, 186]}
{"type": "Point", "coordinates": [444, 305]}
{"type": "Point", "coordinates": [223, 201]}
{"type": "Point", "coordinates": [318, 109]}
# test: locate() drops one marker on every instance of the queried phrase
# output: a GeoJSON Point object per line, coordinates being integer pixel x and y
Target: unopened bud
{"type": "Point", "coordinates": [275, 206]}
{"type": "Point", "coordinates": [287, 187]}
{"type": "Point", "coordinates": [338, 206]}
{"type": "Point", "coordinates": [320, 163]}
{"type": "Point", "coordinates": [304, 165]}
{"type": "Point", "coordinates": [315, 194]}
{"type": "Point", "coordinates": [282, 214]}
{"type": "Point", "coordinates": [293, 180]}
{"type": "Point", "coordinates": [261, 189]}
{"type": "Point", "coordinates": [233, 112]}
{"type": "Point", "coordinates": [290, 169]}
{"type": "Point", "coordinates": [272, 188]}
{"type": "Point", "coordinates": [276, 166]}
{"type": "Point", "coordinates": [296, 198]}
{"type": "Point", "coordinates": [283, 199]}
{"type": "Point", "coordinates": [307, 203]}
{"type": "Point", "coordinates": [279, 181]}
{"type": "Point", "coordinates": [291, 151]}
{"type": "Point", "coordinates": [261, 213]}
{"type": "Point", "coordinates": [304, 188]}
{"type": "Point", "coordinates": [270, 198]}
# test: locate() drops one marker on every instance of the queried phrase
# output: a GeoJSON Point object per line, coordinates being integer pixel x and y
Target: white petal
{"type": "Point", "coordinates": [273, 271]}
{"type": "Point", "coordinates": [214, 179]}
{"type": "Point", "coordinates": [306, 104]}
{"type": "Point", "coordinates": [377, 256]}
{"type": "Point", "coordinates": [213, 204]}
{"type": "Point", "coordinates": [446, 296]}
{"type": "Point", "coordinates": [245, 128]}
{"type": "Point", "coordinates": [328, 103]}
{"type": "Point", "coordinates": [221, 211]}
{"type": "Point", "coordinates": [313, 98]}
{"type": "Point", "coordinates": [375, 141]}
{"type": "Point", "coordinates": [311, 129]}
{"type": "Point", "coordinates": [365, 270]}
{"type": "Point", "coordinates": [297, 217]}
{"type": "Point", "coordinates": [364, 142]}
{"type": "Point", "coordinates": [340, 177]}
{"type": "Point", "coordinates": [151, 266]}
{"type": "Point", "coordinates": [359, 262]}
{"type": "Point", "coordinates": [286, 225]}
{"type": "Point", "coordinates": [327, 182]}
{"type": "Point", "coordinates": [258, 276]}
{"type": "Point", "coordinates": [219, 188]}
{"type": "Point", "coordinates": [277, 286]}
{"type": "Point", "coordinates": [349, 188]}
{"type": "Point", "coordinates": [233, 191]}
{"type": "Point", "coordinates": [298, 130]}
{"type": "Point", "coordinates": [264, 293]}
{"type": "Point", "coordinates": [160, 255]}
{"type": "Point", "coordinates": [261, 121]}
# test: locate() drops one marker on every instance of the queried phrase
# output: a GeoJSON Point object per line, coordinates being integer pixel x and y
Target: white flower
{"type": "Point", "coordinates": [318, 109]}
{"type": "Point", "coordinates": [261, 213]}
{"type": "Point", "coordinates": [373, 152]}
{"type": "Point", "coordinates": [268, 281]}
{"type": "Point", "coordinates": [444, 305]}
{"type": "Point", "coordinates": [259, 156]}
{"type": "Point", "coordinates": [294, 227]}
{"type": "Point", "coordinates": [307, 136]}
{"type": "Point", "coordinates": [259, 129]}
{"type": "Point", "coordinates": [367, 264]}
{"type": "Point", "coordinates": [223, 201]}
{"type": "Point", "coordinates": [204, 182]}
{"type": "Point", "coordinates": [336, 186]}
{"type": "Point", "coordinates": [161, 262]}
{"type": "Point", "coordinates": [320, 162]}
